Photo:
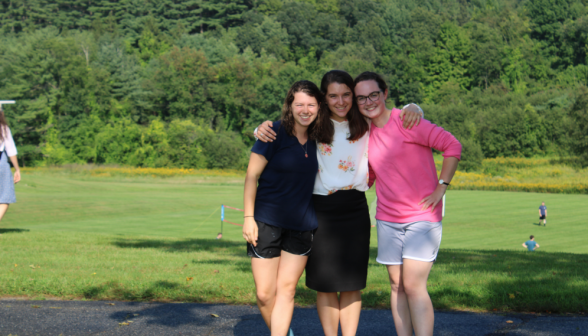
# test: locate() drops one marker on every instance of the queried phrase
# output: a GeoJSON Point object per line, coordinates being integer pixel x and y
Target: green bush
{"type": "Point", "coordinates": [471, 156]}
{"type": "Point", "coordinates": [579, 127]}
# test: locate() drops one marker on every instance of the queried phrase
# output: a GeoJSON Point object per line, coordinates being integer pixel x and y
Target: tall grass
{"type": "Point", "coordinates": [523, 174]}
{"type": "Point", "coordinates": [113, 171]}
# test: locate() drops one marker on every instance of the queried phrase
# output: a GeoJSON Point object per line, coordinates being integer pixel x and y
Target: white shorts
{"type": "Point", "coordinates": [416, 240]}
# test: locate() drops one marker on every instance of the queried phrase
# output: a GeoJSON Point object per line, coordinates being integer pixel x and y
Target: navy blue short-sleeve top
{"type": "Point", "coordinates": [284, 190]}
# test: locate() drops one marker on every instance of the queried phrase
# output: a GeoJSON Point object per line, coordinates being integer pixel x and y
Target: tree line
{"type": "Point", "coordinates": [183, 82]}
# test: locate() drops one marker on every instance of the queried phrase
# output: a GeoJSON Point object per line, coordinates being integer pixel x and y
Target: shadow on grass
{"type": "Point", "coordinates": [510, 280]}
{"type": "Point", "coordinates": [229, 253]}
{"type": "Point", "coordinates": [460, 279]}
{"type": "Point", "coordinates": [497, 280]}
{"type": "Point", "coordinates": [185, 245]}
{"type": "Point", "coordinates": [13, 230]}
{"type": "Point", "coordinates": [116, 290]}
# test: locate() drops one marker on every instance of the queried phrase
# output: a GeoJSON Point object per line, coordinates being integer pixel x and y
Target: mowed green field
{"type": "Point", "coordinates": [75, 237]}
{"type": "Point", "coordinates": [178, 207]}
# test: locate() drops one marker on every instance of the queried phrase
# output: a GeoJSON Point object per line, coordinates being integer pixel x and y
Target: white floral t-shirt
{"type": "Point", "coordinates": [343, 165]}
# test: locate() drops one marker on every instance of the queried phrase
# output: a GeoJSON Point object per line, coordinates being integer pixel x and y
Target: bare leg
{"type": "Point", "coordinates": [350, 309]}
{"type": "Point", "coordinates": [414, 277]}
{"type": "Point", "coordinates": [399, 302]}
{"type": "Point", "coordinates": [289, 272]}
{"type": "Point", "coordinates": [327, 305]}
{"type": "Point", "coordinates": [3, 209]}
{"type": "Point", "coordinates": [265, 275]}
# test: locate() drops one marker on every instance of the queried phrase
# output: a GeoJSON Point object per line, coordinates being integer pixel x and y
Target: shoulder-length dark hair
{"type": "Point", "coordinates": [357, 124]}
{"type": "Point", "coordinates": [3, 125]}
{"type": "Point", "coordinates": [312, 90]}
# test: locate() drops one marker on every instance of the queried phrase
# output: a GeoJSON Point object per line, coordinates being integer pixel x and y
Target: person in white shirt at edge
{"type": "Point", "coordinates": [7, 181]}
{"type": "Point", "coordinates": [339, 259]}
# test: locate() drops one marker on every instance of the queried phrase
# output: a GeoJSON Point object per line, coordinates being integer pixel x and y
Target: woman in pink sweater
{"type": "Point", "coordinates": [409, 211]}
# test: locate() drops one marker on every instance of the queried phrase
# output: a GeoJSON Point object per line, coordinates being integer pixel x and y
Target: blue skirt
{"type": "Point", "coordinates": [7, 195]}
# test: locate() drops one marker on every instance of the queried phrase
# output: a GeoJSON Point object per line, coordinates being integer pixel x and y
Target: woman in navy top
{"type": "Point", "coordinates": [279, 213]}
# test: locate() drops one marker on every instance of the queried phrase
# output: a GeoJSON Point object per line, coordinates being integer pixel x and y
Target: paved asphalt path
{"type": "Point", "coordinates": [22, 318]}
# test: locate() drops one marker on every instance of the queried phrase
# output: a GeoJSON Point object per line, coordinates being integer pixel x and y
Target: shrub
{"type": "Point", "coordinates": [471, 155]}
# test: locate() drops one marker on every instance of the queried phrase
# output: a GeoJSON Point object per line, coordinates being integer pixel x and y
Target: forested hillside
{"type": "Point", "coordinates": [183, 82]}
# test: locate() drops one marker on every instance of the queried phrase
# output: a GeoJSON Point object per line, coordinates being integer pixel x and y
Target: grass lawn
{"type": "Point", "coordinates": [153, 239]}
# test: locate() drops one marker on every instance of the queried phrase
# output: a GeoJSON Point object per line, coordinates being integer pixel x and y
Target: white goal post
{"type": "Point", "coordinates": [2, 102]}
{"type": "Point", "coordinates": [443, 212]}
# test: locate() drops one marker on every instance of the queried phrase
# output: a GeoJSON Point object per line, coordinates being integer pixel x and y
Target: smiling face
{"type": "Point", "coordinates": [370, 109]}
{"type": "Point", "coordinates": [304, 109]}
{"type": "Point", "coordinates": [339, 99]}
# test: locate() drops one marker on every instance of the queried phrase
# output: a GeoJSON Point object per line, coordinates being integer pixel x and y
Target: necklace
{"type": "Point", "coordinates": [304, 149]}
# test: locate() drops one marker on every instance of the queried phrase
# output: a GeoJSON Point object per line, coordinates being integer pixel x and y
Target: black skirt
{"type": "Point", "coordinates": [341, 248]}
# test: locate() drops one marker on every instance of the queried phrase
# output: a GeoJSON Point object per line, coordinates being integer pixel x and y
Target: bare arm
{"type": "Point", "coordinates": [264, 133]}
{"type": "Point", "coordinates": [524, 245]}
{"type": "Point", "coordinates": [256, 166]}
{"type": "Point", "coordinates": [16, 168]}
{"type": "Point", "coordinates": [536, 246]}
{"type": "Point", "coordinates": [447, 172]}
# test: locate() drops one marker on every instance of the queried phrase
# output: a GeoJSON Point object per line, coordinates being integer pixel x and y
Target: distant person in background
{"type": "Point", "coordinates": [531, 244]}
{"type": "Point", "coordinates": [543, 214]}
{"type": "Point", "coordinates": [7, 181]}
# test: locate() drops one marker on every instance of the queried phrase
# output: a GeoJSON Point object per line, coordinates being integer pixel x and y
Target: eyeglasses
{"type": "Point", "coordinates": [373, 97]}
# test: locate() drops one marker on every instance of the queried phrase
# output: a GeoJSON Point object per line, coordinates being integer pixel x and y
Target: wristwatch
{"type": "Point", "coordinates": [443, 182]}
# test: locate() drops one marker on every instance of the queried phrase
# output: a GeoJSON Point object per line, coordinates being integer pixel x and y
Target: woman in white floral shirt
{"type": "Point", "coordinates": [339, 260]}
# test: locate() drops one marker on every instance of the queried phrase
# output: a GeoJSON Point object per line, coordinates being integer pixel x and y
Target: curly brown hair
{"type": "Point", "coordinates": [288, 121]}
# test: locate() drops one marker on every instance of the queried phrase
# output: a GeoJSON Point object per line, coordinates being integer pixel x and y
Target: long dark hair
{"type": "Point", "coordinates": [357, 124]}
{"type": "Point", "coordinates": [3, 125]}
{"type": "Point", "coordinates": [312, 90]}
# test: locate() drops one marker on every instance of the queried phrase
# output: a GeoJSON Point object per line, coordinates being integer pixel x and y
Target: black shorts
{"type": "Point", "coordinates": [542, 217]}
{"type": "Point", "coordinates": [272, 240]}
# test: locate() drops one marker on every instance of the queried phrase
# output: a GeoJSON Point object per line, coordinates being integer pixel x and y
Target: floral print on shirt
{"type": "Point", "coordinates": [325, 149]}
{"type": "Point", "coordinates": [347, 165]}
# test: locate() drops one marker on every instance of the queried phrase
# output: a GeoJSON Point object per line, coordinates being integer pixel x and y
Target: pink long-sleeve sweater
{"type": "Point", "coordinates": [402, 163]}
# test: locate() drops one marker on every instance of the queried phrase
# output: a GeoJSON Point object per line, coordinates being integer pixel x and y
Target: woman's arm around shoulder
{"type": "Point", "coordinates": [265, 148]}
{"type": "Point", "coordinates": [265, 132]}
{"type": "Point", "coordinates": [411, 115]}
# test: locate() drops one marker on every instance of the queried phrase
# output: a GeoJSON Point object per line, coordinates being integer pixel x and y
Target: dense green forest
{"type": "Point", "coordinates": [184, 82]}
